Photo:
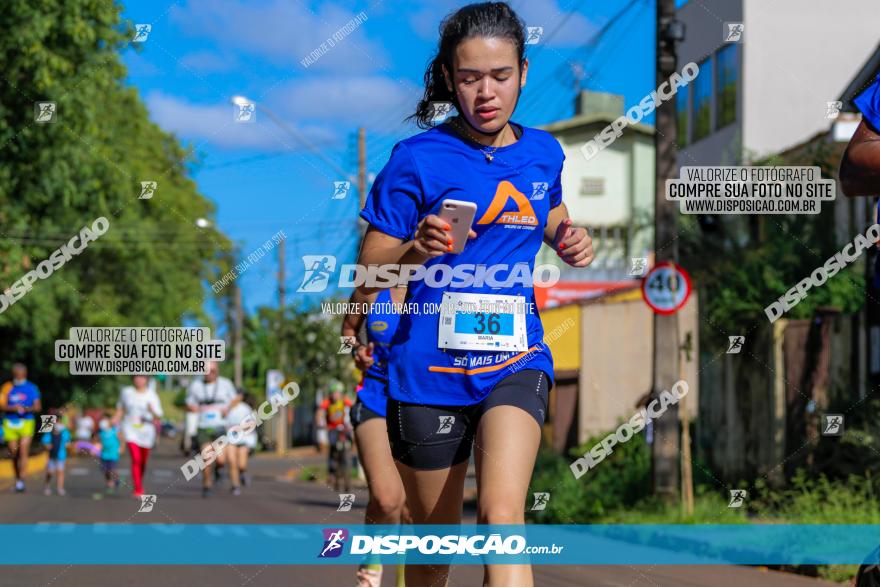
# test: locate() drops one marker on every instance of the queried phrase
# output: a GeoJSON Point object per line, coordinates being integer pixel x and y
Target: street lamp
{"type": "Point", "coordinates": [203, 222]}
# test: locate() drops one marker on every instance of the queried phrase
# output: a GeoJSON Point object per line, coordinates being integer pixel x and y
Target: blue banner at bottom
{"type": "Point", "coordinates": [272, 544]}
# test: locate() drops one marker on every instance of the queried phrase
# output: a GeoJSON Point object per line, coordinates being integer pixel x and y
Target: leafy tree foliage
{"type": "Point", "coordinates": [149, 269]}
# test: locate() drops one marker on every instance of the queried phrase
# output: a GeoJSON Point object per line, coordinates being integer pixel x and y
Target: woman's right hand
{"type": "Point", "coordinates": [363, 357]}
{"type": "Point", "coordinates": [433, 238]}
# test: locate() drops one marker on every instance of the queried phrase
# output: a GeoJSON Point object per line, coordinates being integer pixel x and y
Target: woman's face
{"type": "Point", "coordinates": [140, 382]}
{"type": "Point", "coordinates": [487, 80]}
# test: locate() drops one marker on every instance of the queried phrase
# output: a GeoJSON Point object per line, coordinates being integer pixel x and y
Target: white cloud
{"type": "Point", "coordinates": [282, 32]}
{"type": "Point", "coordinates": [213, 124]}
{"type": "Point", "coordinates": [353, 101]}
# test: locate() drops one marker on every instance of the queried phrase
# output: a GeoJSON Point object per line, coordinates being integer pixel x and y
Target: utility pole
{"type": "Point", "coordinates": [281, 349]}
{"type": "Point", "coordinates": [284, 419]}
{"type": "Point", "coordinates": [362, 175]}
{"type": "Point", "coordinates": [238, 336]}
{"type": "Point", "coordinates": [666, 447]}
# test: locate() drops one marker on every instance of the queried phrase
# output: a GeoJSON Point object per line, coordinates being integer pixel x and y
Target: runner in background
{"type": "Point", "coordinates": [19, 402]}
{"type": "Point", "coordinates": [85, 426]}
{"type": "Point", "coordinates": [212, 399]}
{"type": "Point", "coordinates": [333, 414]}
{"type": "Point", "coordinates": [240, 445]}
{"type": "Point", "coordinates": [387, 502]}
{"type": "Point", "coordinates": [110, 450]}
{"type": "Point", "coordinates": [136, 410]}
{"type": "Point", "coordinates": [56, 441]}
{"type": "Point", "coordinates": [449, 390]}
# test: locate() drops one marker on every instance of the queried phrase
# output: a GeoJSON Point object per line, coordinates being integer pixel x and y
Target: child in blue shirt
{"type": "Point", "coordinates": [56, 441]}
{"type": "Point", "coordinates": [111, 448]}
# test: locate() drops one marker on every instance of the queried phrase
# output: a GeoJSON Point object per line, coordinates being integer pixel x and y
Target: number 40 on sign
{"type": "Point", "coordinates": [666, 288]}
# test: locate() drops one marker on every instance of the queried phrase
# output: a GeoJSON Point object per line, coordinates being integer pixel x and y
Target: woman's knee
{"type": "Point", "coordinates": [388, 501]}
{"type": "Point", "coordinates": [499, 512]}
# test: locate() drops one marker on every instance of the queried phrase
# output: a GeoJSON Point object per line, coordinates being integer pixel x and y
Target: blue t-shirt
{"type": "Point", "coordinates": [57, 441]}
{"type": "Point", "coordinates": [109, 443]}
{"type": "Point", "coordinates": [23, 394]}
{"type": "Point", "coordinates": [381, 326]}
{"type": "Point", "coordinates": [514, 194]}
{"type": "Point", "coordinates": [868, 102]}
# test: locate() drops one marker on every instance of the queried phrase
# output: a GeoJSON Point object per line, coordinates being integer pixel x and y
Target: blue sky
{"type": "Point", "coordinates": [200, 53]}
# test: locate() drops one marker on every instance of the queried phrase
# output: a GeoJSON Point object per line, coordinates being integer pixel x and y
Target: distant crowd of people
{"type": "Point", "coordinates": [134, 424]}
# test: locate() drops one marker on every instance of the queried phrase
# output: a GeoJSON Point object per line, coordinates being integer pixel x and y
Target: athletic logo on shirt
{"type": "Point", "coordinates": [523, 215]}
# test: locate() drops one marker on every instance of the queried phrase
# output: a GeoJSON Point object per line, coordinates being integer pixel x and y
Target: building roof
{"type": "Point", "coordinates": [567, 293]}
{"type": "Point", "coordinates": [586, 120]}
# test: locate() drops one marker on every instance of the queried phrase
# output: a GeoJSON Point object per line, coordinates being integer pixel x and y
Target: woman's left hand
{"type": "Point", "coordinates": [573, 244]}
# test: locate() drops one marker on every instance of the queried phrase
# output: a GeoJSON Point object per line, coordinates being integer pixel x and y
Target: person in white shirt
{"type": "Point", "coordinates": [85, 427]}
{"type": "Point", "coordinates": [137, 410]}
{"type": "Point", "coordinates": [240, 444]}
{"type": "Point", "coordinates": [211, 399]}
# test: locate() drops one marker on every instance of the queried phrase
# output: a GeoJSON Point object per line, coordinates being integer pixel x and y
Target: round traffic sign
{"type": "Point", "coordinates": [666, 288]}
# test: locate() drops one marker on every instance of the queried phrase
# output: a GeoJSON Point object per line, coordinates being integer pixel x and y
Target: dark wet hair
{"type": "Point", "coordinates": [487, 19]}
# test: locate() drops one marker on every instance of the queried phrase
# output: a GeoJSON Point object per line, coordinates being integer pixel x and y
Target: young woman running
{"type": "Point", "coordinates": [137, 408]}
{"type": "Point", "coordinates": [387, 499]}
{"type": "Point", "coordinates": [494, 399]}
{"type": "Point", "coordinates": [240, 445]}
{"type": "Point", "coordinates": [440, 370]}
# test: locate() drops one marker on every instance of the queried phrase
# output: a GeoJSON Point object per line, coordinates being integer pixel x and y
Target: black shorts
{"type": "Point", "coordinates": [361, 413]}
{"type": "Point", "coordinates": [430, 437]}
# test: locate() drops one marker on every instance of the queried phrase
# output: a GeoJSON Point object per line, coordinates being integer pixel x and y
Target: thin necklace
{"type": "Point", "coordinates": [490, 155]}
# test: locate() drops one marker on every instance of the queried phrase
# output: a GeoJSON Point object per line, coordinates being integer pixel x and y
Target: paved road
{"type": "Point", "coordinates": [277, 497]}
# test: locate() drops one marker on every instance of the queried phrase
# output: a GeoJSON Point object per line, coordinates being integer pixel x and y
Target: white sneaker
{"type": "Point", "coordinates": [369, 577]}
{"type": "Point", "coordinates": [19, 486]}
{"type": "Point", "coordinates": [47, 490]}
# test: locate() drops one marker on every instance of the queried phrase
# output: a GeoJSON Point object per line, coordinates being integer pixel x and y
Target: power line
{"type": "Point", "coordinates": [533, 99]}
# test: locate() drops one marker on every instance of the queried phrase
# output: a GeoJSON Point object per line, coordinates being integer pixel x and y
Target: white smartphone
{"type": "Point", "coordinates": [460, 216]}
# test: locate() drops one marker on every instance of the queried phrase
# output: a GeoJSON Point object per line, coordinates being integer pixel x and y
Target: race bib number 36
{"type": "Point", "coordinates": [480, 322]}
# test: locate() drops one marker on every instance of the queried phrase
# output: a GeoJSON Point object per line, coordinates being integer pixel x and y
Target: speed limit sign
{"type": "Point", "coordinates": [666, 288]}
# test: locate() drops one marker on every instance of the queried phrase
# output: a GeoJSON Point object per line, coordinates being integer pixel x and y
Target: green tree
{"type": "Point", "coordinates": [149, 269]}
{"type": "Point", "coordinates": [311, 342]}
{"type": "Point", "coordinates": [743, 263]}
